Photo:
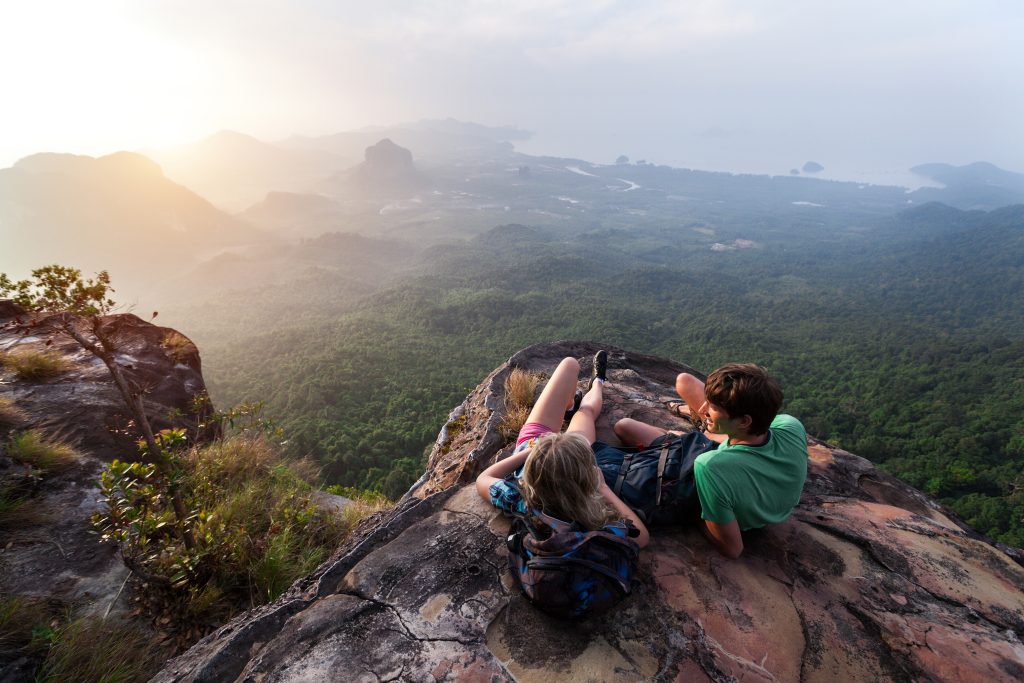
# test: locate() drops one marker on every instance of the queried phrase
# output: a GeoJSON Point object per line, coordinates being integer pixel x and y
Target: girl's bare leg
{"type": "Point", "coordinates": [585, 419]}
{"type": "Point", "coordinates": [558, 393]}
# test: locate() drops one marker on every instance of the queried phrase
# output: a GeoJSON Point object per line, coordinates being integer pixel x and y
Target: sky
{"type": "Point", "coordinates": [867, 87]}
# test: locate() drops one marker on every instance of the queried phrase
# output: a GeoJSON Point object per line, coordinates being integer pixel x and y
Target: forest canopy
{"type": "Point", "coordinates": [905, 347]}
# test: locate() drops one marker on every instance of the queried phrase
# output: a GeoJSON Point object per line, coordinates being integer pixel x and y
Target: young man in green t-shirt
{"type": "Point", "coordinates": [756, 473]}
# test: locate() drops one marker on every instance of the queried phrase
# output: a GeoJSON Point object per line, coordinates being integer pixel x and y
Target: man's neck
{"type": "Point", "coordinates": [749, 439]}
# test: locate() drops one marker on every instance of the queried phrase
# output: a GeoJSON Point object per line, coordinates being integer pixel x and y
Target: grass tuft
{"type": "Point", "coordinates": [89, 649]}
{"type": "Point", "coordinates": [520, 390]}
{"type": "Point", "coordinates": [177, 346]}
{"type": "Point", "coordinates": [33, 448]}
{"type": "Point", "coordinates": [225, 462]}
{"type": "Point", "coordinates": [21, 621]}
{"type": "Point", "coordinates": [17, 510]}
{"type": "Point", "coordinates": [362, 506]}
{"type": "Point", "coordinates": [33, 365]}
{"type": "Point", "coordinates": [521, 387]}
{"type": "Point", "coordinates": [10, 414]}
{"type": "Point", "coordinates": [72, 650]}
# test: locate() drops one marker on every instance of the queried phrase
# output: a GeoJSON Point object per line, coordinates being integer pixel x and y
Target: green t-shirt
{"type": "Point", "coordinates": [755, 485]}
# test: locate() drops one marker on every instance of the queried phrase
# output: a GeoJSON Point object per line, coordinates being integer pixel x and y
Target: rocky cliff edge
{"type": "Point", "coordinates": [868, 580]}
{"type": "Point", "coordinates": [56, 555]}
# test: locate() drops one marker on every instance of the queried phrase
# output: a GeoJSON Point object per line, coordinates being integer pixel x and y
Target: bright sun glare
{"type": "Point", "coordinates": [95, 80]}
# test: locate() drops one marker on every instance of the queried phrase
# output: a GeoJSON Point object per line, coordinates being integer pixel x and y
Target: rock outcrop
{"type": "Point", "coordinates": [868, 580]}
{"type": "Point", "coordinates": [56, 556]}
{"type": "Point", "coordinates": [387, 172]}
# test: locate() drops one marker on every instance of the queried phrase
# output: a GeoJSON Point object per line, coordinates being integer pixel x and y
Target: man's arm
{"type": "Point", "coordinates": [725, 537]}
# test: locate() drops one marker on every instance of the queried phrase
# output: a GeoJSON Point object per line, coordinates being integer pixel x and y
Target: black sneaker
{"type": "Point", "coordinates": [576, 401]}
{"type": "Point", "coordinates": [600, 370]}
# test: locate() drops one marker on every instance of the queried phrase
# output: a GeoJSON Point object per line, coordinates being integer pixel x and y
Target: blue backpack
{"type": "Point", "coordinates": [657, 481]}
{"type": "Point", "coordinates": [570, 573]}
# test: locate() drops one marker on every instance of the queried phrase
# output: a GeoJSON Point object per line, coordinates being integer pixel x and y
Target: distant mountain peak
{"type": "Point", "coordinates": [387, 171]}
{"type": "Point", "coordinates": [978, 172]}
{"type": "Point", "coordinates": [387, 155]}
{"type": "Point", "coordinates": [118, 162]}
{"type": "Point", "coordinates": [230, 140]}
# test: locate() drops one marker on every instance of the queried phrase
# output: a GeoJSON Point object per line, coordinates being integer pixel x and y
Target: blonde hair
{"type": "Point", "coordinates": [561, 479]}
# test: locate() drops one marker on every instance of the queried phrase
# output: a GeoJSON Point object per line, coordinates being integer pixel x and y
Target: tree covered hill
{"type": "Point", "coordinates": [904, 345]}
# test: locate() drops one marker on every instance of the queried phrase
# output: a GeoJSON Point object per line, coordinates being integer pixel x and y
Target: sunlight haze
{"type": "Point", "coordinates": [729, 85]}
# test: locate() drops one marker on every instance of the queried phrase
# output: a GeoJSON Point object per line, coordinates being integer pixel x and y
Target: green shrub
{"type": "Point", "coordinates": [252, 513]}
{"type": "Point", "coordinates": [34, 365]}
{"type": "Point", "coordinates": [33, 448]}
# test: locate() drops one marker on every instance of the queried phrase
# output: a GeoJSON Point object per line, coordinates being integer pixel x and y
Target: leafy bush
{"type": "Point", "coordinates": [33, 365]}
{"type": "Point", "coordinates": [253, 515]}
{"type": "Point", "coordinates": [33, 448]}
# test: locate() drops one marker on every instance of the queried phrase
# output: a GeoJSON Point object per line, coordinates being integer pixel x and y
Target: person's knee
{"type": "Point", "coordinates": [685, 379]}
{"type": "Point", "coordinates": [623, 427]}
{"type": "Point", "coordinates": [688, 384]}
{"type": "Point", "coordinates": [570, 363]}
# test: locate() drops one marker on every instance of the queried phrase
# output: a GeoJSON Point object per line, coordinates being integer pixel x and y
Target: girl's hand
{"type": "Point", "coordinates": [605, 491]}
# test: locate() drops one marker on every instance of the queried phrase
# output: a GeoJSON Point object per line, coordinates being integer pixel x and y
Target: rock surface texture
{"type": "Point", "coordinates": [55, 555]}
{"type": "Point", "coordinates": [868, 580]}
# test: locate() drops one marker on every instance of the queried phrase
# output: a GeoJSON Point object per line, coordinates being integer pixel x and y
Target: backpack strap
{"type": "Point", "coordinates": [559, 563]}
{"type": "Point", "coordinates": [662, 460]}
{"type": "Point", "coordinates": [623, 468]}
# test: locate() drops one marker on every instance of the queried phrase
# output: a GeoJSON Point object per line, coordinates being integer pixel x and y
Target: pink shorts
{"type": "Point", "coordinates": [530, 430]}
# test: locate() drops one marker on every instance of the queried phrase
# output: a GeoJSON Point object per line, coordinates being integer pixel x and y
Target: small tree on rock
{"type": "Point", "coordinates": [78, 307]}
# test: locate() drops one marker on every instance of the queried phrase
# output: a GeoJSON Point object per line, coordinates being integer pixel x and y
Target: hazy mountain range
{"type": "Point", "coordinates": [151, 222]}
{"type": "Point", "coordinates": [118, 212]}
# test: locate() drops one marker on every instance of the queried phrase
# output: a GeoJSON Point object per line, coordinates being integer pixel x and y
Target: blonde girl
{"type": "Point", "coordinates": [556, 473]}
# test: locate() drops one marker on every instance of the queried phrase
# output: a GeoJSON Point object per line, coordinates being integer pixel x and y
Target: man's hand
{"type": "Point", "coordinates": [725, 537]}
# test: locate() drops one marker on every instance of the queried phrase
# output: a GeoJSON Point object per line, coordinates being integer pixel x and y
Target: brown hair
{"type": "Point", "coordinates": [745, 389]}
{"type": "Point", "coordinates": [560, 478]}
